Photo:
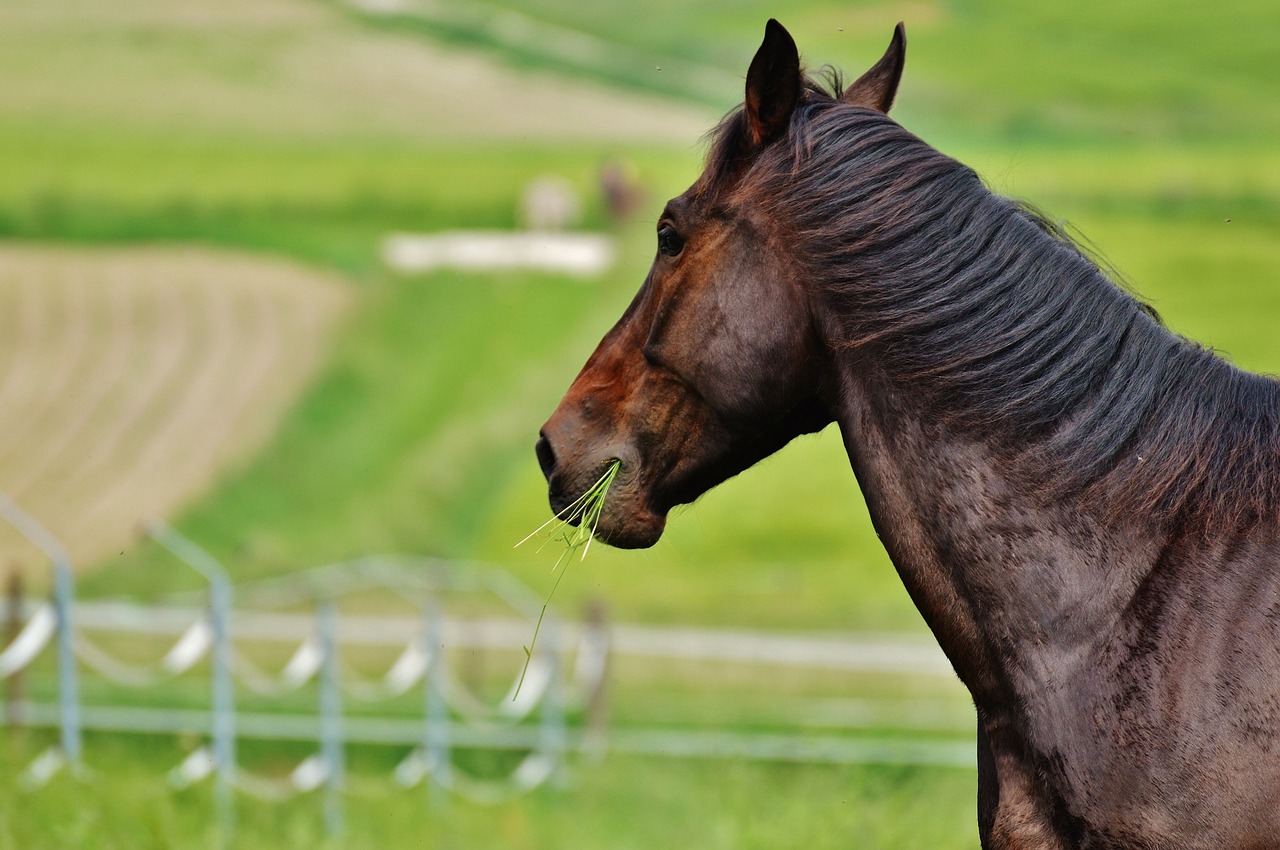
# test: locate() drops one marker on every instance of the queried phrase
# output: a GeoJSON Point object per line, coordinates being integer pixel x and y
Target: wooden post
{"type": "Point", "coordinates": [14, 690]}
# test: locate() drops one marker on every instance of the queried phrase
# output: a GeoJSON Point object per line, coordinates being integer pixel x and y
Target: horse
{"type": "Point", "coordinates": [1083, 505]}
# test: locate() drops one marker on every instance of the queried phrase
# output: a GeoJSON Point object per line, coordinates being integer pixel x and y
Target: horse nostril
{"type": "Point", "coordinates": [546, 457]}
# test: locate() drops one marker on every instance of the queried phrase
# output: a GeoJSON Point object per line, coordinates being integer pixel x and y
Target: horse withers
{"type": "Point", "coordinates": [1083, 505]}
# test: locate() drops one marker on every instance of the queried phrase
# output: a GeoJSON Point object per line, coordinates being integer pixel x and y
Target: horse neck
{"type": "Point", "coordinates": [1017, 588]}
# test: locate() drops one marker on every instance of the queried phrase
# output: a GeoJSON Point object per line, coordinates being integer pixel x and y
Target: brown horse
{"type": "Point", "coordinates": [1084, 506]}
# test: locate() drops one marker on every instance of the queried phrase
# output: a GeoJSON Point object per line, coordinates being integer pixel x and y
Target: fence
{"type": "Point", "coordinates": [531, 716]}
{"type": "Point", "coordinates": [300, 613]}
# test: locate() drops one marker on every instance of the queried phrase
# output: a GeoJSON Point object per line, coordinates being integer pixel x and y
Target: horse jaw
{"type": "Point", "coordinates": [628, 522]}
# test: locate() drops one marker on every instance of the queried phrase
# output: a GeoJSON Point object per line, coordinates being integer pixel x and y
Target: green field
{"type": "Point", "coordinates": [625, 803]}
{"type": "Point", "coordinates": [276, 127]}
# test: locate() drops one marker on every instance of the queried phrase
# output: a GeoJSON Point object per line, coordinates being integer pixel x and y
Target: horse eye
{"type": "Point", "coordinates": [669, 242]}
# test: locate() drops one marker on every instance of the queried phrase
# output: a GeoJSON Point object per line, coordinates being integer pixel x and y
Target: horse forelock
{"type": "Point", "coordinates": [1000, 324]}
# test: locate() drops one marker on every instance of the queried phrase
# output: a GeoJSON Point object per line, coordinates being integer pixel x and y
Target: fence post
{"type": "Point", "coordinates": [63, 594]}
{"type": "Point", "coordinates": [223, 696]}
{"type": "Point", "coordinates": [436, 726]}
{"type": "Point", "coordinates": [595, 650]}
{"type": "Point", "coordinates": [68, 682]}
{"type": "Point", "coordinates": [331, 718]}
{"type": "Point", "coordinates": [224, 708]}
{"type": "Point", "coordinates": [552, 731]}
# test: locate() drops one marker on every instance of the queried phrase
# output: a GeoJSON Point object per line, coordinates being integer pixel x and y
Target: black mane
{"type": "Point", "coordinates": [1003, 326]}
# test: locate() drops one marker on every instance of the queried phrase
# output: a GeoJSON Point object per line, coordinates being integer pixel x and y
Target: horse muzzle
{"type": "Point", "coordinates": [571, 466]}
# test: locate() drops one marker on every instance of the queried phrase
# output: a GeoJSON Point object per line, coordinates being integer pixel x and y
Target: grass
{"type": "Point", "coordinates": [576, 524]}
{"type": "Point", "coordinates": [1147, 125]}
{"type": "Point", "coordinates": [573, 527]}
{"type": "Point", "coordinates": [713, 804]}
{"type": "Point", "coordinates": [286, 72]}
{"type": "Point", "coordinates": [328, 203]}
{"type": "Point", "coordinates": [990, 71]}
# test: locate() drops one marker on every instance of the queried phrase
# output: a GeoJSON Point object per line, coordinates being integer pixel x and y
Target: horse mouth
{"type": "Point", "coordinates": [626, 519]}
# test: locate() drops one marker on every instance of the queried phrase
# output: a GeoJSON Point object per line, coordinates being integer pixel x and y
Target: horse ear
{"type": "Point", "coordinates": [877, 87]}
{"type": "Point", "coordinates": [773, 85]}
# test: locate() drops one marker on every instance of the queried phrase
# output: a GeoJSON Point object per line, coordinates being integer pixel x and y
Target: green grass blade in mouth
{"type": "Point", "coordinates": [586, 511]}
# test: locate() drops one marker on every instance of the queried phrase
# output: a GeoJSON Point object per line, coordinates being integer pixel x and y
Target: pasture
{"type": "Point", "coordinates": [301, 131]}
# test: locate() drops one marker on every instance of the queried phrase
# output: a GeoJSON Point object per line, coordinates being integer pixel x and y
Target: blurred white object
{"type": "Point", "coordinates": [580, 254]}
{"type": "Point", "coordinates": [195, 768]}
{"type": "Point", "coordinates": [190, 648]}
{"type": "Point", "coordinates": [310, 774]}
{"type": "Point", "coordinates": [44, 768]}
{"type": "Point", "coordinates": [27, 645]}
{"type": "Point", "coordinates": [549, 203]}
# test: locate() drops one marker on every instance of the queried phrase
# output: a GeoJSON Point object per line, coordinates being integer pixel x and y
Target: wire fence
{"type": "Point", "coordinates": [316, 687]}
{"type": "Point", "coordinates": [530, 717]}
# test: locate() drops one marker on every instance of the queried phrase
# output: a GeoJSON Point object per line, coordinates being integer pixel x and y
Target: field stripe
{"type": "Point", "coordinates": [29, 326]}
{"type": "Point", "coordinates": [184, 415]}
{"type": "Point", "coordinates": [34, 402]}
{"type": "Point", "coordinates": [163, 355]}
{"type": "Point", "coordinates": [100, 382]}
{"type": "Point", "coordinates": [133, 377]}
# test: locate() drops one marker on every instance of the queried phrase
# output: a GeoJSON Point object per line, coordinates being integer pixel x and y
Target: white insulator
{"type": "Point", "coordinates": [195, 768]}
{"type": "Point", "coordinates": [304, 664]}
{"type": "Point", "coordinates": [43, 768]}
{"type": "Point", "coordinates": [310, 774]}
{"type": "Point", "coordinates": [190, 648]}
{"type": "Point", "coordinates": [533, 771]}
{"type": "Point", "coordinates": [26, 646]}
{"type": "Point", "coordinates": [301, 668]}
{"type": "Point", "coordinates": [408, 669]}
{"type": "Point", "coordinates": [412, 769]}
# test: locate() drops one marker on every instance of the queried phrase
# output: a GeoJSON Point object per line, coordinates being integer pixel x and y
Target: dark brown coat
{"type": "Point", "coordinates": [1084, 506]}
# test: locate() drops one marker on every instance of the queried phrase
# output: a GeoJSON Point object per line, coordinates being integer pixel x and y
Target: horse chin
{"type": "Point", "coordinates": [637, 529]}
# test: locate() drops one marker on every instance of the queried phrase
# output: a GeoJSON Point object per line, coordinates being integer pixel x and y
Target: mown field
{"type": "Point", "coordinates": [308, 130]}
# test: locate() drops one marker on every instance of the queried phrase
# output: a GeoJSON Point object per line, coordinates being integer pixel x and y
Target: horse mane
{"type": "Point", "coordinates": [991, 316]}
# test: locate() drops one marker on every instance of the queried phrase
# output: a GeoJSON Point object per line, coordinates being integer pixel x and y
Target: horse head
{"type": "Point", "coordinates": [1084, 507]}
{"type": "Point", "coordinates": [718, 362]}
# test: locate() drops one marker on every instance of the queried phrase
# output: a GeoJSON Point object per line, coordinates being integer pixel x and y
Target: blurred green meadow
{"type": "Point", "coordinates": [310, 129]}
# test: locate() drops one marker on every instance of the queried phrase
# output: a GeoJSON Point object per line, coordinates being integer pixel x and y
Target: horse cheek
{"type": "Point", "coordinates": [766, 346]}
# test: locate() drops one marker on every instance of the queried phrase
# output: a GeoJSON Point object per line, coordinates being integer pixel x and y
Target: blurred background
{"type": "Point", "coordinates": [303, 278]}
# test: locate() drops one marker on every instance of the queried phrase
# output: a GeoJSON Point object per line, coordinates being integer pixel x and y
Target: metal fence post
{"type": "Point", "coordinates": [436, 726]}
{"type": "Point", "coordinates": [68, 681]}
{"type": "Point", "coordinates": [223, 696]}
{"type": "Point", "coordinates": [224, 708]}
{"type": "Point", "coordinates": [63, 596]}
{"type": "Point", "coordinates": [331, 718]}
{"type": "Point", "coordinates": [552, 730]}
{"type": "Point", "coordinates": [593, 671]}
